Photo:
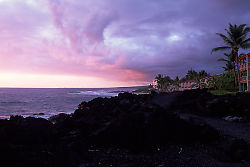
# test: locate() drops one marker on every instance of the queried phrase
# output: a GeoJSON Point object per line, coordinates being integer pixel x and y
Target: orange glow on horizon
{"type": "Point", "coordinates": [58, 81]}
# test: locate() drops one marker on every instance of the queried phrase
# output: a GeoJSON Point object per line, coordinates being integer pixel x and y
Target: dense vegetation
{"type": "Point", "coordinates": [224, 81]}
{"type": "Point", "coordinates": [165, 81]}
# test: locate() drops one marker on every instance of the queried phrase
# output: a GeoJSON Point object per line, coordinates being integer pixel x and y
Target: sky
{"type": "Point", "coordinates": [109, 43]}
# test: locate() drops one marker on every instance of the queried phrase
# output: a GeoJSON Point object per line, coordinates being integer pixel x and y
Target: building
{"type": "Point", "coordinates": [155, 84]}
{"type": "Point", "coordinates": [204, 82]}
{"type": "Point", "coordinates": [190, 84]}
{"type": "Point", "coordinates": [244, 67]}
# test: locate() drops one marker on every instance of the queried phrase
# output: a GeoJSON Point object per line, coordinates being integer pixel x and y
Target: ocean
{"type": "Point", "coordinates": [48, 101]}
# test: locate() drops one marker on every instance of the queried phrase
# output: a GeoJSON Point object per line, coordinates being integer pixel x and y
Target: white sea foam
{"type": "Point", "coordinates": [102, 93]}
{"type": "Point", "coordinates": [98, 93]}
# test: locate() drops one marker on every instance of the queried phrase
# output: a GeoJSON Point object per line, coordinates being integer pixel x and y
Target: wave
{"type": "Point", "coordinates": [96, 93]}
{"type": "Point", "coordinates": [12, 102]}
{"type": "Point", "coordinates": [106, 93]}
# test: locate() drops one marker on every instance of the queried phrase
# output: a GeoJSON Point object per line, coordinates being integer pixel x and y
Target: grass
{"type": "Point", "coordinates": [222, 92]}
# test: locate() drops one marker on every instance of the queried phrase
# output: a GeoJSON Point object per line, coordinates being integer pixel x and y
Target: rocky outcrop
{"type": "Point", "coordinates": [106, 129]}
{"type": "Point", "coordinates": [201, 102]}
{"type": "Point", "coordinates": [130, 121]}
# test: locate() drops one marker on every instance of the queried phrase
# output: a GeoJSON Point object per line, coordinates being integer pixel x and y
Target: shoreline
{"type": "Point", "coordinates": [28, 102]}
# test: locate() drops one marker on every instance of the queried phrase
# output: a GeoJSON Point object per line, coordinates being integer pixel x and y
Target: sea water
{"type": "Point", "coordinates": [48, 101]}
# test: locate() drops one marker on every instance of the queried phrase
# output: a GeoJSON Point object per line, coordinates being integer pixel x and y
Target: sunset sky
{"type": "Point", "coordinates": [107, 43]}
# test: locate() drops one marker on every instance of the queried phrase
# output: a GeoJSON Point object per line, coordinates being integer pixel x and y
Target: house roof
{"type": "Point", "coordinates": [243, 57]}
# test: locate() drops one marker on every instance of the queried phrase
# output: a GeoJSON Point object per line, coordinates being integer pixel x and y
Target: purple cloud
{"type": "Point", "coordinates": [120, 40]}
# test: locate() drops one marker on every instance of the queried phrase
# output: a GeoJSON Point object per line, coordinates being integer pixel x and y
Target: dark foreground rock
{"type": "Point", "coordinates": [201, 102]}
{"type": "Point", "coordinates": [128, 130]}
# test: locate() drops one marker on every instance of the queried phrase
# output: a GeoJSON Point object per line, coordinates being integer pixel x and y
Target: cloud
{"type": "Point", "coordinates": [120, 40]}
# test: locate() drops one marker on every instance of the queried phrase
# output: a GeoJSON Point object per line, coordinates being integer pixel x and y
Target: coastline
{"type": "Point", "coordinates": [44, 103]}
{"type": "Point", "coordinates": [166, 129]}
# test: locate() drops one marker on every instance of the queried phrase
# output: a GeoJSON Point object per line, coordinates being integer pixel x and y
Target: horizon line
{"type": "Point", "coordinates": [70, 87]}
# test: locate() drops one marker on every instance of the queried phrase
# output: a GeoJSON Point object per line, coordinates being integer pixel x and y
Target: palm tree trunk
{"type": "Point", "coordinates": [237, 64]}
{"type": "Point", "coordinates": [235, 78]}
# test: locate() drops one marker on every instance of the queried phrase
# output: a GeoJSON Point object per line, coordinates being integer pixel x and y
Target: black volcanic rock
{"type": "Point", "coordinates": [125, 130]}
{"type": "Point", "coordinates": [130, 121]}
{"type": "Point", "coordinates": [239, 150]}
{"type": "Point", "coordinates": [203, 103]}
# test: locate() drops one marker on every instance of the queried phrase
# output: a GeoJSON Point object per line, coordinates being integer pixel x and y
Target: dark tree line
{"type": "Point", "coordinates": [165, 81]}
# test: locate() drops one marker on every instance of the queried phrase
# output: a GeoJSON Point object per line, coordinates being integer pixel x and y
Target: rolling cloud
{"type": "Point", "coordinates": [119, 40]}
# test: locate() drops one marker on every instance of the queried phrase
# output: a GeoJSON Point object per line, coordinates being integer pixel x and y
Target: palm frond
{"type": "Point", "coordinates": [241, 37]}
{"type": "Point", "coordinates": [225, 38]}
{"type": "Point", "coordinates": [221, 59]}
{"type": "Point", "coordinates": [241, 27]}
{"type": "Point", "coordinates": [235, 26]}
{"type": "Point", "coordinates": [226, 54]}
{"type": "Point", "coordinates": [246, 30]}
{"type": "Point", "coordinates": [220, 48]}
{"type": "Point", "coordinates": [245, 46]}
{"type": "Point", "coordinates": [228, 32]}
{"type": "Point", "coordinates": [246, 41]}
{"type": "Point", "coordinates": [231, 28]}
{"type": "Point", "coordinates": [225, 68]}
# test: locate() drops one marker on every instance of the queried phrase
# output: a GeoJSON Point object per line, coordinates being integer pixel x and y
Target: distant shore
{"type": "Point", "coordinates": [138, 90]}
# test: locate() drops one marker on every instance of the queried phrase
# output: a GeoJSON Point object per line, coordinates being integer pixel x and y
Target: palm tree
{"type": "Point", "coordinates": [167, 81]}
{"type": "Point", "coordinates": [230, 61]}
{"type": "Point", "coordinates": [176, 81]}
{"type": "Point", "coordinates": [235, 39]}
{"type": "Point", "coordinates": [203, 74]}
{"type": "Point", "coordinates": [230, 64]}
{"type": "Point", "coordinates": [163, 82]}
{"type": "Point", "coordinates": [191, 74]}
